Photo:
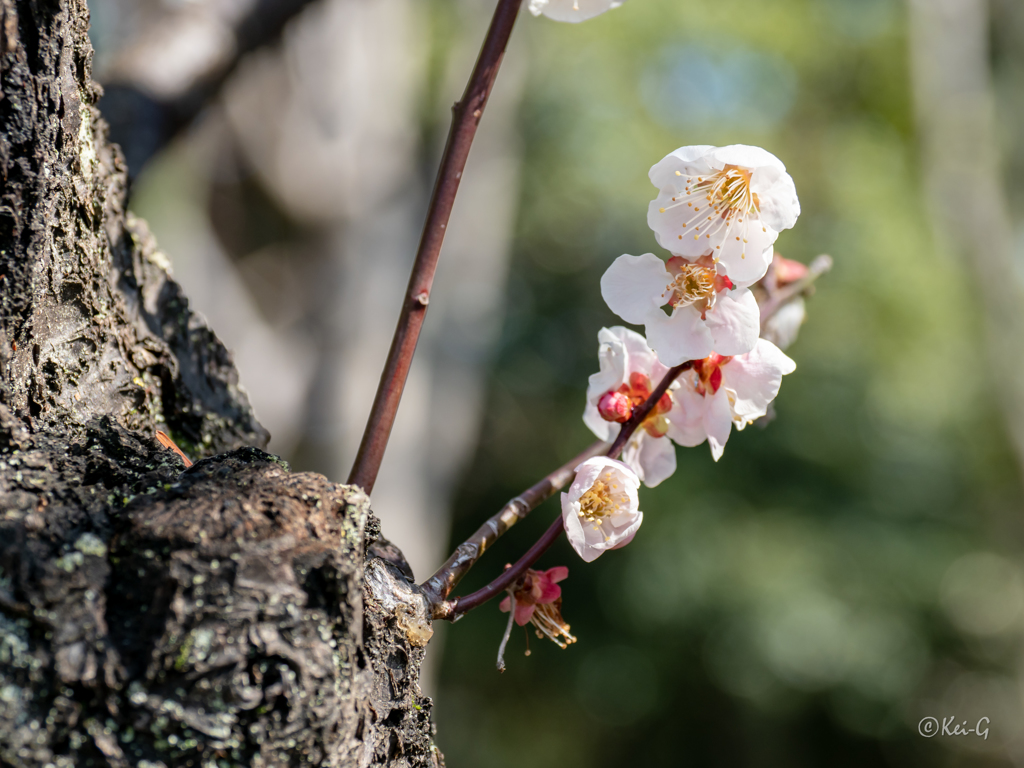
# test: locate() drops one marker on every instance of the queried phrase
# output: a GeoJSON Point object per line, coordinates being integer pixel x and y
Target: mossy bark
{"type": "Point", "coordinates": [150, 615]}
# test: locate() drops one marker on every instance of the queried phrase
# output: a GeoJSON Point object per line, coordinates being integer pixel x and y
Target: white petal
{"type": "Point", "coordinates": [634, 349]}
{"type": "Point", "coordinates": [686, 160]}
{"type": "Point", "coordinates": [622, 537]}
{"type": "Point", "coordinates": [734, 322]}
{"type": "Point", "coordinates": [572, 10]}
{"type": "Point", "coordinates": [657, 459]}
{"type": "Point", "coordinates": [680, 337]}
{"type": "Point", "coordinates": [667, 217]}
{"type": "Point", "coordinates": [755, 378]}
{"type": "Point", "coordinates": [718, 422]}
{"type": "Point", "coordinates": [778, 206]}
{"type": "Point", "coordinates": [746, 260]}
{"type": "Point", "coordinates": [633, 285]}
{"type": "Point", "coordinates": [604, 430]}
{"type": "Point", "coordinates": [747, 156]}
{"type": "Point", "coordinates": [575, 532]}
{"type": "Point", "coordinates": [686, 419]}
{"type": "Point", "coordinates": [611, 354]}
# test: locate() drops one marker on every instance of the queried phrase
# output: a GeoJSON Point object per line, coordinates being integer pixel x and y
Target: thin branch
{"type": "Point", "coordinates": [779, 297]}
{"type": "Point", "coordinates": [465, 119]}
{"type": "Point", "coordinates": [453, 609]}
{"type": "Point", "coordinates": [437, 588]}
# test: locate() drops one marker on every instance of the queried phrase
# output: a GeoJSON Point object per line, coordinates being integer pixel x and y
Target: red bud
{"type": "Point", "coordinates": [614, 406]}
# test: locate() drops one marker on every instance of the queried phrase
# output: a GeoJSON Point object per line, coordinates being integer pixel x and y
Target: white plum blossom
{"type": "Point", "coordinates": [601, 511]}
{"type": "Point", "coordinates": [629, 373]}
{"type": "Point", "coordinates": [719, 393]}
{"type": "Point", "coordinates": [572, 10]}
{"type": "Point", "coordinates": [726, 202]}
{"type": "Point", "coordinates": [709, 313]}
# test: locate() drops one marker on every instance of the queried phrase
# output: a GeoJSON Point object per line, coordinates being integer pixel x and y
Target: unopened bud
{"type": "Point", "coordinates": [640, 384]}
{"type": "Point", "coordinates": [656, 426]}
{"type": "Point", "coordinates": [614, 406]}
{"type": "Point", "coordinates": [787, 270]}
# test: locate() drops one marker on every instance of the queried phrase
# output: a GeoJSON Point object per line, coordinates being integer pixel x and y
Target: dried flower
{"type": "Point", "coordinates": [538, 600]}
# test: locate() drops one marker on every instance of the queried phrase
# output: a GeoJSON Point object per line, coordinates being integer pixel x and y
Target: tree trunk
{"type": "Point", "coordinates": [222, 615]}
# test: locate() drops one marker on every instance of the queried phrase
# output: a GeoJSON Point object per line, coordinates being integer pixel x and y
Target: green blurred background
{"type": "Point", "coordinates": [837, 576]}
{"type": "Point", "coordinates": [851, 568]}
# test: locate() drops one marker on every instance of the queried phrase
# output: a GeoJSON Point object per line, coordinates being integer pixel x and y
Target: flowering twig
{"type": "Point", "coordinates": [437, 588]}
{"type": "Point", "coordinates": [465, 119]}
{"type": "Point", "coordinates": [453, 609]}
{"type": "Point", "coordinates": [778, 297]}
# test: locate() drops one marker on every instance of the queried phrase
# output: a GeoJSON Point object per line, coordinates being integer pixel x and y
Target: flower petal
{"type": "Point", "coordinates": [633, 285]}
{"type": "Point", "coordinates": [626, 536]}
{"type": "Point", "coordinates": [549, 592]}
{"type": "Point", "coordinates": [685, 160]}
{"type": "Point", "coordinates": [575, 533]}
{"type": "Point", "coordinates": [754, 379]}
{"type": "Point", "coordinates": [524, 612]}
{"type": "Point", "coordinates": [680, 337]}
{"type": "Point", "coordinates": [718, 422]}
{"type": "Point", "coordinates": [603, 430]}
{"type": "Point", "coordinates": [686, 419]}
{"type": "Point", "coordinates": [778, 205]}
{"type": "Point", "coordinates": [657, 459]}
{"type": "Point", "coordinates": [572, 11]}
{"type": "Point", "coordinates": [746, 259]}
{"type": "Point", "coordinates": [558, 573]}
{"type": "Point", "coordinates": [747, 156]}
{"type": "Point", "coordinates": [734, 322]}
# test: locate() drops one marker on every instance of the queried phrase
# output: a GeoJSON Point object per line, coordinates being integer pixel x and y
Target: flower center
{"type": "Point", "coordinates": [709, 373]}
{"type": "Point", "coordinates": [717, 202]}
{"type": "Point", "coordinates": [597, 502]}
{"type": "Point", "coordinates": [693, 283]}
{"type": "Point", "coordinates": [547, 618]}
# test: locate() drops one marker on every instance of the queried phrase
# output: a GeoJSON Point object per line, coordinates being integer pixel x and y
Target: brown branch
{"type": "Point", "coordinates": [439, 586]}
{"type": "Point", "coordinates": [779, 297]}
{"type": "Point", "coordinates": [453, 609]}
{"type": "Point", "coordinates": [465, 119]}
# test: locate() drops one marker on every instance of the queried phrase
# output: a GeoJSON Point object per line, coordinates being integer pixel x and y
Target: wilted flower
{"type": "Point", "coordinates": [708, 313]}
{"type": "Point", "coordinates": [722, 392]}
{"type": "Point", "coordinates": [730, 202]}
{"type": "Point", "coordinates": [629, 372]}
{"type": "Point", "coordinates": [572, 10]}
{"type": "Point", "coordinates": [538, 600]}
{"type": "Point", "coordinates": [601, 510]}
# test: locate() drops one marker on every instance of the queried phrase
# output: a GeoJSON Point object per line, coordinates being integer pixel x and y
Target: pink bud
{"type": "Point", "coordinates": [614, 406]}
{"type": "Point", "coordinates": [787, 270]}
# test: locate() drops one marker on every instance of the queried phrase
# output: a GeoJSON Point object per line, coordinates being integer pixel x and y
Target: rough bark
{"type": "Point", "coordinates": [223, 615]}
